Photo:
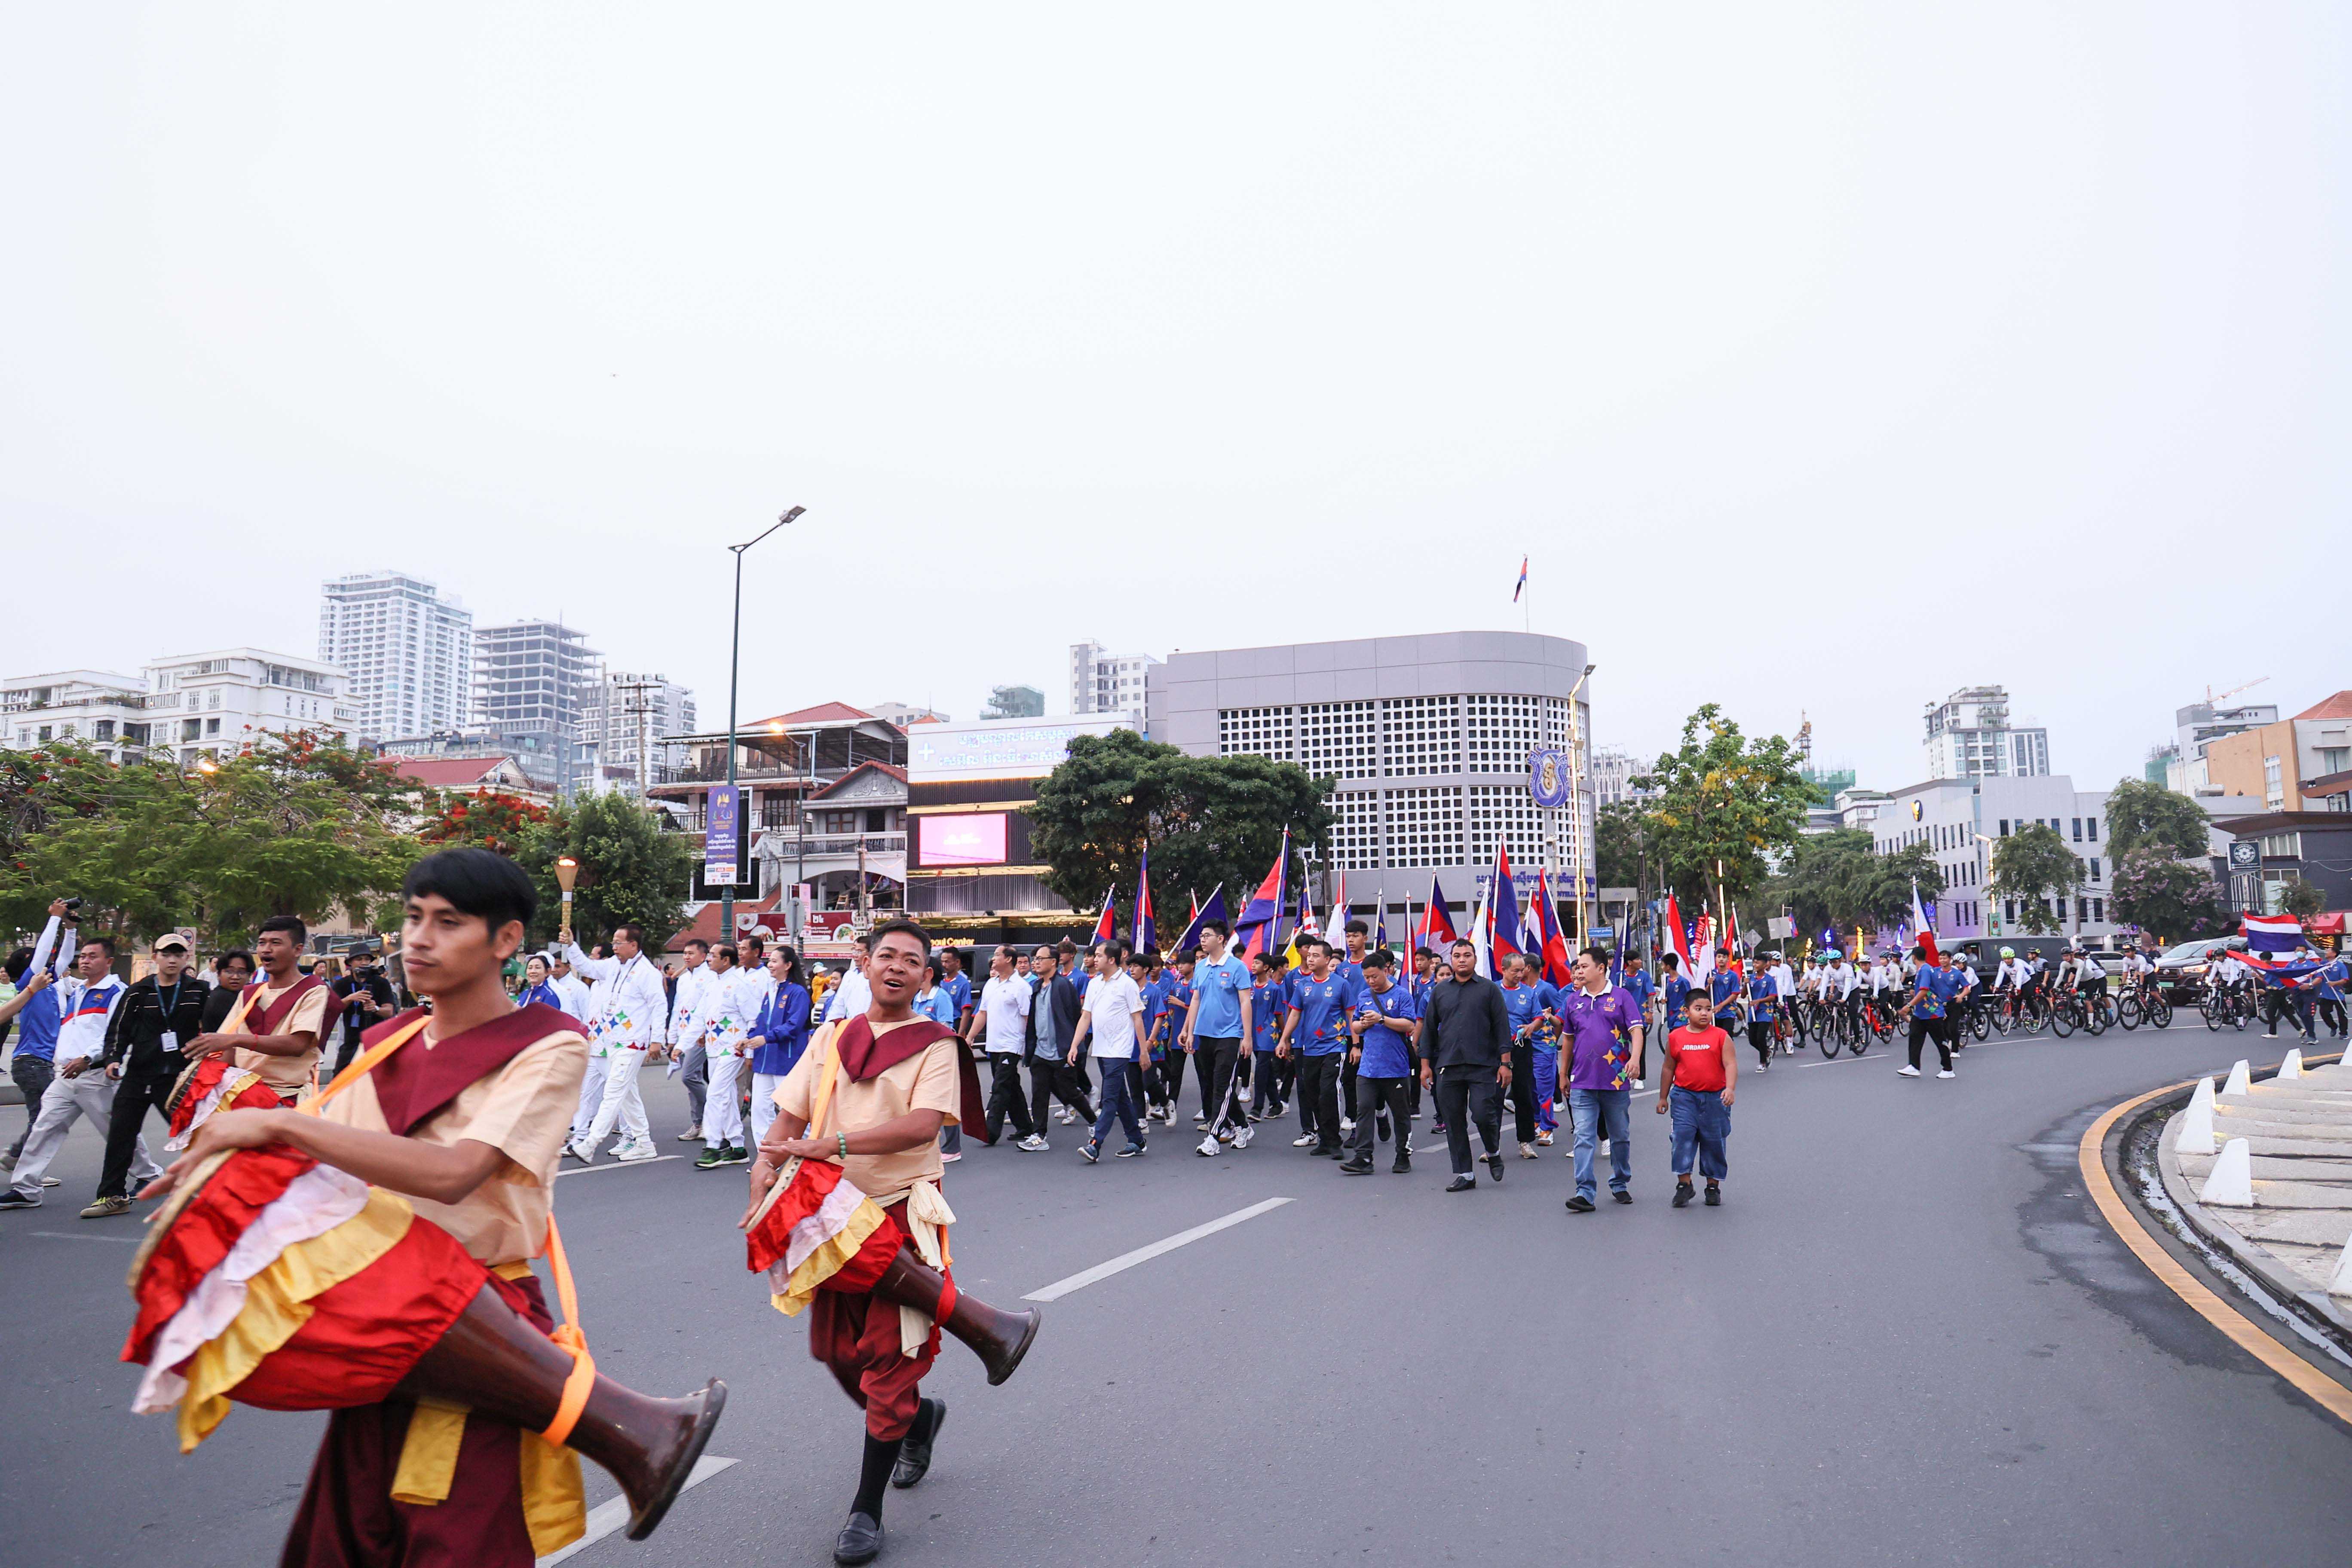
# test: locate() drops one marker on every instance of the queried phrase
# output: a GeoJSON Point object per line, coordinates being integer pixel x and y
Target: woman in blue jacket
{"type": "Point", "coordinates": [778, 1037]}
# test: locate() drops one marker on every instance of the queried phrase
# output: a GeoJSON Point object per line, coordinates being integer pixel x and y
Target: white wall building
{"type": "Point", "coordinates": [638, 707]}
{"type": "Point", "coordinates": [2196, 726]}
{"type": "Point", "coordinates": [187, 706]}
{"type": "Point", "coordinates": [1612, 770]}
{"type": "Point", "coordinates": [1102, 683]}
{"type": "Point", "coordinates": [408, 651]}
{"type": "Point", "coordinates": [1969, 736]}
{"type": "Point", "coordinates": [905, 714]}
{"type": "Point", "coordinates": [1962, 820]}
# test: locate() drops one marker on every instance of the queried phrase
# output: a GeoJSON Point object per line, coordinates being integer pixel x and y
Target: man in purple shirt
{"type": "Point", "coordinates": [1602, 1031]}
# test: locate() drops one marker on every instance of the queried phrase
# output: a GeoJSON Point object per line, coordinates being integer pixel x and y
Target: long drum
{"type": "Point", "coordinates": [212, 1084]}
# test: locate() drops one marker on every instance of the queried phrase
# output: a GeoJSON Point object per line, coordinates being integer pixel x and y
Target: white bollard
{"type": "Point", "coordinates": [2196, 1134]}
{"type": "Point", "coordinates": [2242, 1080]}
{"type": "Point", "coordinates": [2231, 1184]}
{"type": "Point", "coordinates": [2342, 1284]}
{"type": "Point", "coordinates": [2292, 1065]}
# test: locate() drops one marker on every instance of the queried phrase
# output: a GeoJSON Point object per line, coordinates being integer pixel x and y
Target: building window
{"type": "Point", "coordinates": [2099, 910]}
{"type": "Point", "coordinates": [2078, 830]}
{"type": "Point", "coordinates": [2004, 827]}
{"type": "Point", "coordinates": [2335, 759]}
{"type": "Point", "coordinates": [2094, 828]}
{"type": "Point", "coordinates": [2094, 867]}
{"type": "Point", "coordinates": [2273, 791]}
{"type": "Point", "coordinates": [2081, 910]}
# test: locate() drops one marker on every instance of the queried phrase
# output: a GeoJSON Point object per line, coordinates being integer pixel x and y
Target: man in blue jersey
{"type": "Point", "coordinates": [1269, 1006]}
{"type": "Point", "coordinates": [1529, 999]}
{"type": "Point", "coordinates": [1383, 1032]}
{"type": "Point", "coordinates": [34, 1010]}
{"type": "Point", "coordinates": [1350, 968]}
{"type": "Point", "coordinates": [1317, 1032]}
{"type": "Point", "coordinates": [1219, 1015]}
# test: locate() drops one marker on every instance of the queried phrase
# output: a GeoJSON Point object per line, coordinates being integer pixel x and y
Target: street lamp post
{"type": "Point", "coordinates": [734, 665]}
{"type": "Point", "coordinates": [1576, 810]}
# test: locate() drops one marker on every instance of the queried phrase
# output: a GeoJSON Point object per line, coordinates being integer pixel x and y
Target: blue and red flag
{"type": "Point", "coordinates": [1261, 915]}
{"type": "Point", "coordinates": [2271, 933]}
{"type": "Point", "coordinates": [1107, 928]}
{"type": "Point", "coordinates": [1435, 931]}
{"type": "Point", "coordinates": [1522, 582]}
{"type": "Point", "coordinates": [1548, 939]}
{"type": "Point", "coordinates": [1380, 918]}
{"type": "Point", "coordinates": [1214, 910]}
{"type": "Point", "coordinates": [1503, 936]}
{"type": "Point", "coordinates": [1147, 930]}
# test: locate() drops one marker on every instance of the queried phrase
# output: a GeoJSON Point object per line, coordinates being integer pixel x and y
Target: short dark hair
{"type": "Point", "coordinates": [479, 882]}
{"type": "Point", "coordinates": [1066, 946]}
{"type": "Point", "coordinates": [1307, 942]}
{"type": "Point", "coordinates": [1671, 961]}
{"type": "Point", "coordinates": [1110, 945]}
{"type": "Point", "coordinates": [234, 956]}
{"type": "Point", "coordinates": [1044, 947]}
{"type": "Point", "coordinates": [900, 928]}
{"type": "Point", "coordinates": [932, 967]}
{"type": "Point", "coordinates": [1188, 955]}
{"type": "Point", "coordinates": [1462, 942]}
{"type": "Point", "coordinates": [1355, 928]}
{"type": "Point", "coordinates": [1006, 950]}
{"type": "Point", "coordinates": [697, 941]}
{"type": "Point", "coordinates": [1220, 927]}
{"type": "Point", "coordinates": [301, 932]}
{"type": "Point", "coordinates": [18, 962]}
{"type": "Point", "coordinates": [98, 940]}
{"type": "Point", "coordinates": [792, 957]}
{"type": "Point", "coordinates": [1598, 956]}
{"type": "Point", "coordinates": [730, 949]}
{"type": "Point", "coordinates": [1139, 956]}
{"type": "Point", "coordinates": [1380, 958]}
{"type": "Point", "coordinates": [631, 930]}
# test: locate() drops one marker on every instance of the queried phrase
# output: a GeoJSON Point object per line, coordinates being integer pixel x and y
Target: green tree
{"type": "Point", "coordinates": [2301, 898]}
{"type": "Point", "coordinates": [1839, 879]}
{"type": "Point", "coordinates": [2142, 814]}
{"type": "Point", "coordinates": [1723, 808]}
{"type": "Point", "coordinates": [2170, 899]}
{"type": "Point", "coordinates": [1206, 820]}
{"type": "Point", "coordinates": [2033, 865]}
{"type": "Point", "coordinates": [632, 871]}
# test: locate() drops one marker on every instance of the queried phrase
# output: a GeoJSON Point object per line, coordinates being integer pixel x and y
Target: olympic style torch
{"type": "Point", "coordinates": [567, 872]}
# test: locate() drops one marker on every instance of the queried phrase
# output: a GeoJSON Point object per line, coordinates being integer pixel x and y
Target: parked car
{"type": "Point", "coordinates": [2180, 970]}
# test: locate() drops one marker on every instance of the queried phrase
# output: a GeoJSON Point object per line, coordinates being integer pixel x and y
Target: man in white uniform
{"type": "Point", "coordinates": [722, 1019]}
{"type": "Point", "coordinates": [695, 985]}
{"type": "Point", "coordinates": [627, 1014]}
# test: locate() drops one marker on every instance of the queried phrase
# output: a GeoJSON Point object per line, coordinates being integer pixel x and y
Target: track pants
{"type": "Point", "coordinates": [623, 1106]}
{"type": "Point", "coordinates": [694, 1071]}
{"type": "Point", "coordinates": [65, 1100]}
{"type": "Point", "coordinates": [1006, 1098]}
{"type": "Point", "coordinates": [1373, 1095]}
{"type": "Point", "coordinates": [1936, 1029]}
{"type": "Point", "coordinates": [763, 1101]}
{"type": "Point", "coordinates": [722, 1113]}
{"type": "Point", "coordinates": [1319, 1099]}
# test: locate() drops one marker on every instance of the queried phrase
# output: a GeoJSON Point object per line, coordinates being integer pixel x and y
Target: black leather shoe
{"type": "Point", "coordinates": [1580, 1205]}
{"type": "Point", "coordinates": [1461, 1184]}
{"type": "Point", "coordinates": [1401, 1168]}
{"type": "Point", "coordinates": [1494, 1164]}
{"type": "Point", "coordinates": [860, 1539]}
{"type": "Point", "coordinates": [1622, 1196]}
{"type": "Point", "coordinates": [1356, 1168]}
{"type": "Point", "coordinates": [915, 1453]}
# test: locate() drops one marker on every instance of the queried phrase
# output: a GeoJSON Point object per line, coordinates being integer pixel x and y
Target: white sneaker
{"type": "Point", "coordinates": [950, 1159]}
{"type": "Point", "coordinates": [1604, 1149]}
{"type": "Point", "coordinates": [1346, 1124]}
{"type": "Point", "coordinates": [1906, 1072]}
{"type": "Point", "coordinates": [1241, 1137]}
{"type": "Point", "coordinates": [581, 1152]}
{"type": "Point", "coordinates": [1208, 1147]}
{"type": "Point", "coordinates": [1527, 1150]}
{"type": "Point", "coordinates": [1304, 1140]}
{"type": "Point", "coordinates": [1033, 1145]}
{"type": "Point", "coordinates": [1948, 1073]}
{"type": "Point", "coordinates": [636, 1152]}
{"type": "Point", "coordinates": [1639, 1084]}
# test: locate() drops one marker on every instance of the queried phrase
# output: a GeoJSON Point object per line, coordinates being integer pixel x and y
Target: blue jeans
{"type": "Point", "coordinates": [1586, 1108]}
{"type": "Point", "coordinates": [1702, 1126]}
{"type": "Point", "coordinates": [1122, 1095]}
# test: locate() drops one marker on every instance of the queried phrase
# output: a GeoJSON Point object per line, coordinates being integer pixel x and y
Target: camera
{"type": "Point", "coordinates": [73, 906]}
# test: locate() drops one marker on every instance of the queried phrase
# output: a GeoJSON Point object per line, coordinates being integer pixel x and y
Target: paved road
{"type": "Point", "coordinates": [1906, 1337]}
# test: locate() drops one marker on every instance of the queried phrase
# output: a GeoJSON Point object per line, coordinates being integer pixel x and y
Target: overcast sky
{"type": "Point", "coordinates": [1822, 360]}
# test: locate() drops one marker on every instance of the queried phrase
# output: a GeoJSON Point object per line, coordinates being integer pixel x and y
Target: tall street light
{"type": "Point", "coordinates": [1583, 858]}
{"type": "Point", "coordinates": [734, 665]}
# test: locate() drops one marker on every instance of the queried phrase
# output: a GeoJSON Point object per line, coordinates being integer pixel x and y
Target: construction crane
{"type": "Point", "coordinates": [2213, 701]}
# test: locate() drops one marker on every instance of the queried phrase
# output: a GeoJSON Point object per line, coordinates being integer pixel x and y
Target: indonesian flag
{"type": "Point", "coordinates": [1923, 927]}
{"type": "Point", "coordinates": [816, 1224]}
{"type": "Point", "coordinates": [1703, 955]}
{"type": "Point", "coordinates": [2271, 933]}
{"type": "Point", "coordinates": [1674, 935]}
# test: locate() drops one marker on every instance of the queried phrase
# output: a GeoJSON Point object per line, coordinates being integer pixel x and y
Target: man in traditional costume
{"type": "Point", "coordinates": [453, 1124]}
{"type": "Point", "coordinates": [274, 1029]}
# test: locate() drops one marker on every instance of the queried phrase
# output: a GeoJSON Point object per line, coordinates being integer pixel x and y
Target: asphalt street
{"type": "Point", "coordinates": [1907, 1336]}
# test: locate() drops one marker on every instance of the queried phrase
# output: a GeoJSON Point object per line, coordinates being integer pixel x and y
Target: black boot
{"type": "Point", "coordinates": [860, 1539]}
{"type": "Point", "coordinates": [915, 1448]}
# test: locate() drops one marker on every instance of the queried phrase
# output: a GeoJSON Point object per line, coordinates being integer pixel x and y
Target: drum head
{"type": "Point", "coordinates": [173, 1205]}
{"type": "Point", "coordinates": [180, 1086]}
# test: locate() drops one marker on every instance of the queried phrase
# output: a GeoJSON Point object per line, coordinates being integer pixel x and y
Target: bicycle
{"type": "Point", "coordinates": [2222, 1006]}
{"type": "Point", "coordinates": [2144, 1003]}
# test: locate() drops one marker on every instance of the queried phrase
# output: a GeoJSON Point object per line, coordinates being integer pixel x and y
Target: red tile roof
{"type": "Point", "coordinates": [823, 714]}
{"type": "Point", "coordinates": [896, 772]}
{"type": "Point", "coordinates": [446, 773]}
{"type": "Point", "coordinates": [2336, 707]}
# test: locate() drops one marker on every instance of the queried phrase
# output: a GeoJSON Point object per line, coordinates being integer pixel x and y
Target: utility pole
{"type": "Point", "coordinates": [734, 668]}
{"type": "Point", "coordinates": [1576, 808]}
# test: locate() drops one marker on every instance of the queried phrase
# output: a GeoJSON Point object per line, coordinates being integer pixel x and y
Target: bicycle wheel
{"type": "Point", "coordinates": [2162, 1015]}
{"type": "Point", "coordinates": [1980, 1023]}
{"type": "Point", "coordinates": [2241, 1015]}
{"type": "Point", "coordinates": [2004, 1017]}
{"type": "Point", "coordinates": [2063, 1018]}
{"type": "Point", "coordinates": [1859, 1038]}
{"type": "Point", "coordinates": [2127, 1012]}
{"type": "Point", "coordinates": [1825, 1037]}
{"type": "Point", "coordinates": [2216, 1011]}
{"type": "Point", "coordinates": [2034, 1016]}
{"type": "Point", "coordinates": [2096, 1016]}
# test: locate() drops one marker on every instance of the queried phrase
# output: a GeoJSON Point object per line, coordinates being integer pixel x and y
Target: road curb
{"type": "Point", "coordinates": [2099, 1155]}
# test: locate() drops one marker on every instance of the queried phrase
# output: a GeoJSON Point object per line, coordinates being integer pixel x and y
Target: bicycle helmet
{"type": "Point", "coordinates": [2009, 952]}
{"type": "Point", "coordinates": [1832, 952]}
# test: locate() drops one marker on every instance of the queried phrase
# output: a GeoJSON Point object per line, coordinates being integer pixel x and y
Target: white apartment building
{"type": "Point", "coordinates": [1102, 683]}
{"type": "Point", "coordinates": [408, 651]}
{"type": "Point", "coordinates": [2198, 726]}
{"type": "Point", "coordinates": [1613, 771]}
{"type": "Point", "coordinates": [187, 706]}
{"type": "Point", "coordinates": [1969, 736]}
{"type": "Point", "coordinates": [635, 716]}
{"type": "Point", "coordinates": [535, 683]}
{"type": "Point", "coordinates": [1962, 820]}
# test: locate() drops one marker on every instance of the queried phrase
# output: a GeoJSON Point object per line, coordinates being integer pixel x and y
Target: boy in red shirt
{"type": "Point", "coordinates": [1702, 1071]}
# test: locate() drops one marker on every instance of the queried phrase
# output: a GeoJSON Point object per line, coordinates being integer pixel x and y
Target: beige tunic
{"type": "Point", "coordinates": [524, 1112]}
{"type": "Point", "coordinates": [928, 1080]}
{"type": "Point", "coordinates": [287, 1074]}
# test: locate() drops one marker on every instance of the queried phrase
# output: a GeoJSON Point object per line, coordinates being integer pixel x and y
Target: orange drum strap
{"type": "Point", "coordinates": [365, 1065]}
{"type": "Point", "coordinates": [568, 1334]}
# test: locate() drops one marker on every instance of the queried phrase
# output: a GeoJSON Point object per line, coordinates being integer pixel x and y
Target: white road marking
{"type": "Point", "coordinates": [1126, 1260]}
{"type": "Point", "coordinates": [70, 1236]}
{"type": "Point", "coordinates": [617, 1165]}
{"type": "Point", "coordinates": [611, 1515]}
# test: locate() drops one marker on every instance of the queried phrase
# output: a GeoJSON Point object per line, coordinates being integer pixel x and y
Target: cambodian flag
{"type": "Point", "coordinates": [1543, 918]}
{"type": "Point", "coordinates": [1214, 910]}
{"type": "Point", "coordinates": [1435, 931]}
{"type": "Point", "coordinates": [1261, 914]}
{"type": "Point", "coordinates": [1522, 582]}
{"type": "Point", "coordinates": [1107, 928]}
{"type": "Point", "coordinates": [2271, 933]}
{"type": "Point", "coordinates": [1504, 938]}
{"type": "Point", "coordinates": [1922, 927]}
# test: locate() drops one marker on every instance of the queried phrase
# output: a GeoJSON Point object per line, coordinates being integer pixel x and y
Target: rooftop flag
{"type": "Point", "coordinates": [1518, 586]}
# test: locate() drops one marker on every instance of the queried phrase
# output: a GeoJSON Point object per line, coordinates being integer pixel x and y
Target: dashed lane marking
{"type": "Point", "coordinates": [1126, 1260]}
{"type": "Point", "coordinates": [611, 1515]}
{"type": "Point", "coordinates": [617, 1165]}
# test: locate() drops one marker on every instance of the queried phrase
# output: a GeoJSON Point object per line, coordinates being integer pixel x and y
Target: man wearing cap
{"type": "Point", "coordinates": [143, 1035]}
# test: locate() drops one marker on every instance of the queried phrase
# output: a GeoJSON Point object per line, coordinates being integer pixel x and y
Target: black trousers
{"type": "Point", "coordinates": [1319, 1099]}
{"type": "Point", "coordinates": [1216, 1062]}
{"type": "Point", "coordinates": [1465, 1095]}
{"type": "Point", "coordinates": [1006, 1096]}
{"type": "Point", "coordinates": [133, 1096]}
{"type": "Point", "coordinates": [1938, 1029]}
{"type": "Point", "coordinates": [1051, 1077]}
{"type": "Point", "coordinates": [1759, 1035]}
{"type": "Point", "coordinates": [1523, 1092]}
{"type": "Point", "coordinates": [1372, 1095]}
{"type": "Point", "coordinates": [1347, 1083]}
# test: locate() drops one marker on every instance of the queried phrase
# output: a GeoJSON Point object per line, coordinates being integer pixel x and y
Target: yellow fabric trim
{"type": "Point", "coordinates": [519, 1271]}
{"type": "Point", "coordinates": [277, 1305]}
{"type": "Point", "coordinates": [828, 1259]}
{"type": "Point", "coordinates": [429, 1455]}
{"type": "Point", "coordinates": [554, 1502]}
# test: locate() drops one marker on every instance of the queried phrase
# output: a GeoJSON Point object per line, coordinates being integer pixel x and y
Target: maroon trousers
{"type": "Point", "coordinates": [347, 1517]}
{"type": "Point", "coordinates": [857, 1336]}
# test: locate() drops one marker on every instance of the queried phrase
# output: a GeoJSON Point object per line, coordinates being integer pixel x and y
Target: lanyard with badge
{"type": "Point", "coordinates": [170, 1039]}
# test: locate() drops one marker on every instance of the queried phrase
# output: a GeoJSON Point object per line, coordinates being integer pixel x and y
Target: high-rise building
{"type": "Point", "coordinates": [408, 652]}
{"type": "Point", "coordinates": [638, 717]}
{"type": "Point", "coordinates": [1969, 736]}
{"type": "Point", "coordinates": [534, 683]}
{"type": "Point", "coordinates": [1104, 682]}
{"type": "Point", "coordinates": [1613, 774]}
{"type": "Point", "coordinates": [2180, 766]}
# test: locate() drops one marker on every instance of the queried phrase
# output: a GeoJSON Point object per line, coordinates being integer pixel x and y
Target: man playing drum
{"type": "Point", "coordinates": [280, 1019]}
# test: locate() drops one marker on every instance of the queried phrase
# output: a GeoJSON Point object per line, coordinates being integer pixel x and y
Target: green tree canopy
{"type": "Point", "coordinates": [2302, 900]}
{"type": "Point", "coordinates": [2170, 899]}
{"type": "Point", "coordinates": [1206, 820]}
{"type": "Point", "coordinates": [2032, 865]}
{"type": "Point", "coordinates": [2142, 814]}
{"type": "Point", "coordinates": [631, 870]}
{"type": "Point", "coordinates": [1723, 808]}
{"type": "Point", "coordinates": [1840, 880]}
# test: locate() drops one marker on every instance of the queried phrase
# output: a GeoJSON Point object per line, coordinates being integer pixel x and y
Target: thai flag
{"type": "Point", "coordinates": [2271, 933]}
{"type": "Point", "coordinates": [1504, 939]}
{"type": "Point", "coordinates": [1522, 582]}
{"type": "Point", "coordinates": [1147, 930]}
{"type": "Point", "coordinates": [1921, 927]}
{"type": "Point", "coordinates": [1435, 931]}
{"type": "Point", "coordinates": [1543, 922]}
{"type": "Point", "coordinates": [1261, 914]}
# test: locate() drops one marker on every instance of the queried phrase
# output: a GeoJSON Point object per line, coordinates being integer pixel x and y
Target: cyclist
{"type": "Point", "coordinates": [2231, 975]}
{"type": "Point", "coordinates": [2086, 975]}
{"type": "Point", "coordinates": [1844, 984]}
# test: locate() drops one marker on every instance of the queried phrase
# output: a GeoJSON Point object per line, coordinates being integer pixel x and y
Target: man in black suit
{"type": "Point", "coordinates": [1053, 1025]}
{"type": "Point", "coordinates": [1464, 1046]}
